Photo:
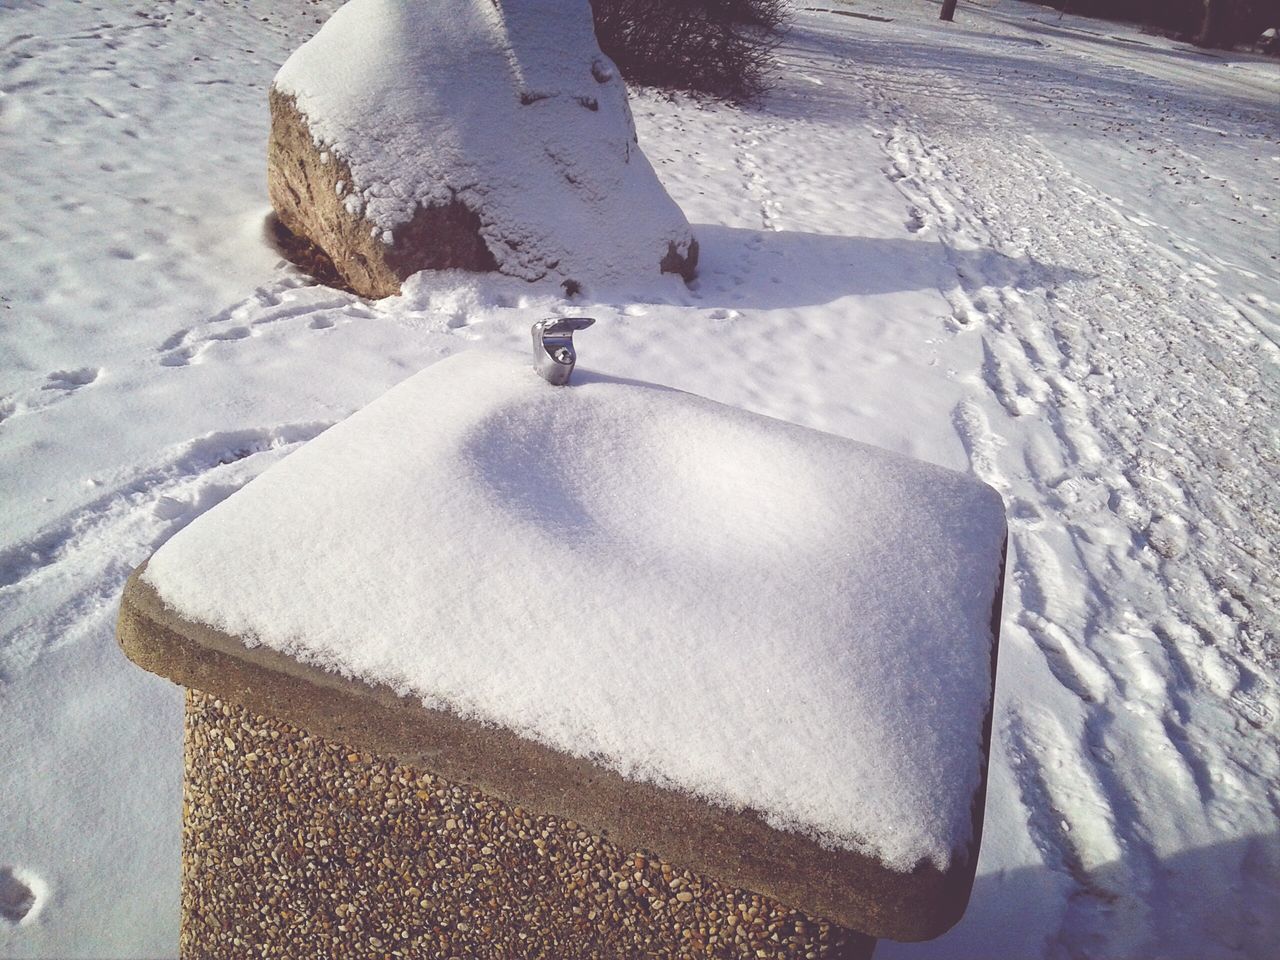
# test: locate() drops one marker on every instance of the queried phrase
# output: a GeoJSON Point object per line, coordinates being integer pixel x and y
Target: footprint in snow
{"type": "Point", "coordinates": [460, 319]}
{"type": "Point", "coordinates": [231, 333]}
{"type": "Point", "coordinates": [22, 894]}
{"type": "Point", "coordinates": [70, 380]}
{"type": "Point", "coordinates": [1250, 697]}
{"type": "Point", "coordinates": [184, 356]}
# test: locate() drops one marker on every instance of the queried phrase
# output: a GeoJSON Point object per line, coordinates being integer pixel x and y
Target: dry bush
{"type": "Point", "coordinates": [1209, 22]}
{"type": "Point", "coordinates": [721, 47]}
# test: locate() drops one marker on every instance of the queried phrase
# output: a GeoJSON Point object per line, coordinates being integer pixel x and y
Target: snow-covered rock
{"type": "Point", "coordinates": [410, 134]}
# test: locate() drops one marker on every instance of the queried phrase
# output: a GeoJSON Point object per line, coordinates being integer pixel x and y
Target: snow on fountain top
{"type": "Point", "coordinates": [751, 611]}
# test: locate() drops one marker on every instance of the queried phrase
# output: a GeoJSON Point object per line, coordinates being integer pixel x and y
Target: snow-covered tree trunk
{"type": "Point", "coordinates": [948, 10]}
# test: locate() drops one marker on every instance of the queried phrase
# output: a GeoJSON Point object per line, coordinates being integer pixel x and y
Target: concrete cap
{"type": "Point", "coordinates": [738, 847]}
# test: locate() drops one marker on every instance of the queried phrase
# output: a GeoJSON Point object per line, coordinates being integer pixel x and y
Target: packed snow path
{"type": "Point", "coordinates": [1042, 247]}
{"type": "Point", "coordinates": [1135, 440]}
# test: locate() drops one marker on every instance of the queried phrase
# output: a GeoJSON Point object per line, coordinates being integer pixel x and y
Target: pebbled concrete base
{"type": "Point", "coordinates": [299, 846]}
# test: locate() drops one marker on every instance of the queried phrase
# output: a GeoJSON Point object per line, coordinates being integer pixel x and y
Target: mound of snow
{"type": "Point", "coordinates": [411, 134]}
{"type": "Point", "coordinates": [755, 612]}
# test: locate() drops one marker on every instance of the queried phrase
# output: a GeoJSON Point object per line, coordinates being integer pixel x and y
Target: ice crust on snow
{"type": "Point", "coordinates": [511, 109]}
{"type": "Point", "coordinates": [697, 596]}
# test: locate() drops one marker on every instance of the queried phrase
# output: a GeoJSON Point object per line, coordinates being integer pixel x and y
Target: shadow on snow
{"type": "Point", "coordinates": [770, 269]}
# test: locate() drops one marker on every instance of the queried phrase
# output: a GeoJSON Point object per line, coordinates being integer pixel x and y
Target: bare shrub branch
{"type": "Point", "coordinates": [721, 47]}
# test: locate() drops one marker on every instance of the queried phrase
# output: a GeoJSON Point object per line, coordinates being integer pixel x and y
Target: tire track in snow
{"type": "Point", "coordinates": [1114, 447]}
{"type": "Point", "coordinates": [60, 583]}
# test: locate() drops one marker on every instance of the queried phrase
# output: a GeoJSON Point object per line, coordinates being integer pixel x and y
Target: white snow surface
{"type": "Point", "coordinates": [511, 109]}
{"type": "Point", "coordinates": [1039, 248]}
{"type": "Point", "coordinates": [758, 613]}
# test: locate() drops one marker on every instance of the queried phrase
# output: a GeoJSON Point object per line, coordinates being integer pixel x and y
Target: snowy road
{"type": "Point", "coordinates": [1043, 249]}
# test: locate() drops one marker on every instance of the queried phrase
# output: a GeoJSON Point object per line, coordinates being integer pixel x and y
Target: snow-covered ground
{"type": "Point", "coordinates": [1042, 249]}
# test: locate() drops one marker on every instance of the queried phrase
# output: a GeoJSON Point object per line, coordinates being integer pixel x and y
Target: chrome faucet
{"type": "Point", "coordinates": [553, 353]}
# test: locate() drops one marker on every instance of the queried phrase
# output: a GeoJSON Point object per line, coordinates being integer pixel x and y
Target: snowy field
{"type": "Point", "coordinates": [1041, 249]}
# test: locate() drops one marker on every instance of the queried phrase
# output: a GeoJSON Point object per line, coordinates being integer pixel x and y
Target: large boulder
{"type": "Point", "coordinates": [472, 134]}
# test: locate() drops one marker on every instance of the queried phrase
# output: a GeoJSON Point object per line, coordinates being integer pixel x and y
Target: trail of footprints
{"type": "Point", "coordinates": [753, 173]}
{"type": "Point", "coordinates": [43, 605]}
{"type": "Point", "coordinates": [1074, 495]}
{"type": "Point", "coordinates": [56, 387]}
{"type": "Point", "coordinates": [292, 297]}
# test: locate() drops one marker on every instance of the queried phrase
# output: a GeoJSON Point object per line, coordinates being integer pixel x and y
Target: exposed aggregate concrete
{"type": "Point", "coordinates": [299, 847]}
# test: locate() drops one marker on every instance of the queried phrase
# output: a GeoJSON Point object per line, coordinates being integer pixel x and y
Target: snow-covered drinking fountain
{"type": "Point", "coordinates": [499, 667]}
{"type": "Point", "coordinates": [527, 661]}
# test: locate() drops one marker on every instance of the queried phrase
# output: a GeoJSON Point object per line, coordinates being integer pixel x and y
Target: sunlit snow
{"type": "Point", "coordinates": [1039, 249]}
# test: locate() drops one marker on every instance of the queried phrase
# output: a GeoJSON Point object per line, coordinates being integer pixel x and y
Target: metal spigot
{"type": "Point", "coordinates": [553, 353]}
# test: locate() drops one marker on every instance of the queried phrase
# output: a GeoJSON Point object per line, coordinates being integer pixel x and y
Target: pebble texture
{"type": "Point", "coordinates": [296, 846]}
